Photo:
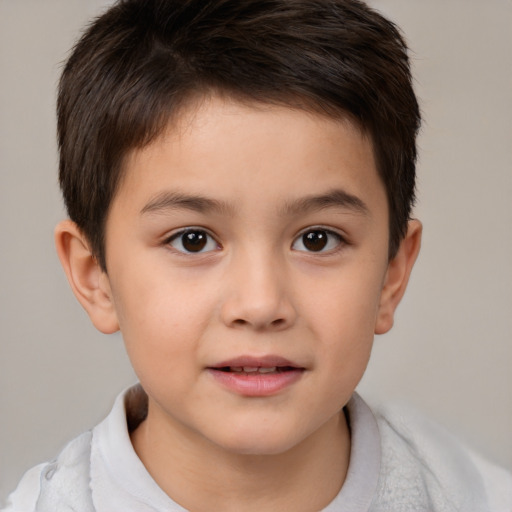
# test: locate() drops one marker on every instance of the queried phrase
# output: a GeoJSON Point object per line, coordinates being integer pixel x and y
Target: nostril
{"type": "Point", "coordinates": [274, 324]}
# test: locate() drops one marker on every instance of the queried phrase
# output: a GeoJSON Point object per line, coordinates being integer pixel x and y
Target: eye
{"type": "Point", "coordinates": [193, 241]}
{"type": "Point", "coordinates": [317, 240]}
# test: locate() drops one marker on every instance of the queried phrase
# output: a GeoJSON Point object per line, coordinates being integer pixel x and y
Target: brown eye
{"type": "Point", "coordinates": [193, 241]}
{"type": "Point", "coordinates": [317, 240]}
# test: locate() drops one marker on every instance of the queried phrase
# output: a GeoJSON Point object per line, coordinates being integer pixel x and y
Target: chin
{"type": "Point", "coordinates": [258, 442]}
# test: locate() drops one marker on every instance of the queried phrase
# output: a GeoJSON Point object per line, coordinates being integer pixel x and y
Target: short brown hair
{"type": "Point", "coordinates": [141, 61]}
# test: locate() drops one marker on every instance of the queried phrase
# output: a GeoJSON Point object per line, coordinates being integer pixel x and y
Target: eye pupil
{"type": "Point", "coordinates": [194, 241]}
{"type": "Point", "coordinates": [315, 240]}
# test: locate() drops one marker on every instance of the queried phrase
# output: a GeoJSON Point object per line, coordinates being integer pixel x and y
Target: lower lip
{"type": "Point", "coordinates": [256, 384]}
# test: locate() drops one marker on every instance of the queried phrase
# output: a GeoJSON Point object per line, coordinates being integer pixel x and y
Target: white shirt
{"type": "Point", "coordinates": [119, 480]}
{"type": "Point", "coordinates": [397, 463]}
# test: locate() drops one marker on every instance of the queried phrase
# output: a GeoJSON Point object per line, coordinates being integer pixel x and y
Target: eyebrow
{"type": "Point", "coordinates": [336, 198]}
{"type": "Point", "coordinates": [333, 199]}
{"type": "Point", "coordinates": [179, 201]}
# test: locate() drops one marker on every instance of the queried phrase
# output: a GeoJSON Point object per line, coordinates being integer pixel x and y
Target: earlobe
{"type": "Point", "coordinates": [89, 282]}
{"type": "Point", "coordinates": [397, 277]}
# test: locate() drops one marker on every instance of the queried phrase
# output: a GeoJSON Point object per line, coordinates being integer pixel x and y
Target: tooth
{"type": "Point", "coordinates": [268, 370]}
{"type": "Point", "coordinates": [236, 369]}
{"type": "Point", "coordinates": [250, 369]}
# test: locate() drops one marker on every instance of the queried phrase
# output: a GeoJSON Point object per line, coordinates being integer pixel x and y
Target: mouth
{"type": "Point", "coordinates": [255, 370]}
{"type": "Point", "coordinates": [257, 377]}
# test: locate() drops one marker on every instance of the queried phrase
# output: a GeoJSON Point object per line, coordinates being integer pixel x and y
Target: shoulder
{"type": "Point", "coordinates": [423, 467]}
{"type": "Point", "coordinates": [46, 487]}
{"type": "Point", "coordinates": [25, 496]}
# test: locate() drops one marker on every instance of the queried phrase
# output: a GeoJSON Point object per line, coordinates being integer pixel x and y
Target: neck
{"type": "Point", "coordinates": [200, 475]}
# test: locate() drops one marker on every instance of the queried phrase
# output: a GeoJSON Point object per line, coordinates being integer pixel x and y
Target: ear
{"type": "Point", "coordinates": [397, 277]}
{"type": "Point", "coordinates": [89, 282]}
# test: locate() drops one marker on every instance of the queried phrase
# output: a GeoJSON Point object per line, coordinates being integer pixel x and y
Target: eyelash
{"type": "Point", "coordinates": [330, 235]}
{"type": "Point", "coordinates": [206, 240]}
{"type": "Point", "coordinates": [179, 236]}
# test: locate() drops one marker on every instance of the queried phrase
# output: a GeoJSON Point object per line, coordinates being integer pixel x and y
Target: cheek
{"type": "Point", "coordinates": [162, 322]}
{"type": "Point", "coordinates": [343, 305]}
{"type": "Point", "coordinates": [342, 315]}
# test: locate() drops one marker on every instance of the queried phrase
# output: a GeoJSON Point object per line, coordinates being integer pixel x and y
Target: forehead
{"type": "Point", "coordinates": [240, 152]}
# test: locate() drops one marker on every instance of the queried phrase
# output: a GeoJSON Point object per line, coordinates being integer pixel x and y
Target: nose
{"type": "Point", "coordinates": [258, 294]}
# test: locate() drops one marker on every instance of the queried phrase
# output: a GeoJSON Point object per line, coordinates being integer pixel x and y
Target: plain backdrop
{"type": "Point", "coordinates": [450, 353]}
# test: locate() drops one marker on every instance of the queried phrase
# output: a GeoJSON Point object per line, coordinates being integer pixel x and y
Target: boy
{"type": "Point", "coordinates": [239, 177]}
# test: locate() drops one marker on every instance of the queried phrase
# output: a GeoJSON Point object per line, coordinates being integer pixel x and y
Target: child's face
{"type": "Point", "coordinates": [282, 264]}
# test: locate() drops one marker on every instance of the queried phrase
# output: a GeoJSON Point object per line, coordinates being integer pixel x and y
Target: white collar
{"type": "Point", "coordinates": [119, 480]}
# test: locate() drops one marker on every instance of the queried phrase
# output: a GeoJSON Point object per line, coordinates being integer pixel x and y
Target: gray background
{"type": "Point", "coordinates": [450, 353]}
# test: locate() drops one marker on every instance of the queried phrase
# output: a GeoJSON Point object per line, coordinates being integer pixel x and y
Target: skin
{"type": "Point", "coordinates": [256, 289]}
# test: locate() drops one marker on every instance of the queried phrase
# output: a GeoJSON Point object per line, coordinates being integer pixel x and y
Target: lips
{"type": "Point", "coordinates": [255, 369]}
{"type": "Point", "coordinates": [256, 376]}
{"type": "Point", "coordinates": [267, 361]}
